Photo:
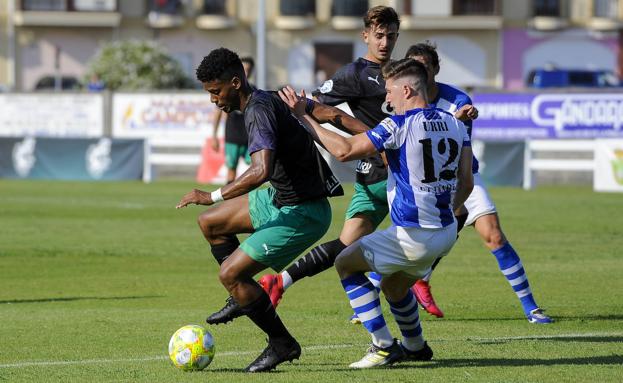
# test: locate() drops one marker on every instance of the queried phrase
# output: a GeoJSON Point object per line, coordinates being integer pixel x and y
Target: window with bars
{"type": "Point", "coordinates": [214, 7]}
{"type": "Point", "coordinates": [44, 5]}
{"type": "Point", "coordinates": [606, 8]}
{"type": "Point", "coordinates": [475, 7]}
{"type": "Point", "coordinates": [549, 8]}
{"type": "Point", "coordinates": [70, 5]}
{"type": "Point", "coordinates": [352, 8]}
{"type": "Point", "coordinates": [297, 8]}
{"type": "Point", "coordinates": [171, 7]}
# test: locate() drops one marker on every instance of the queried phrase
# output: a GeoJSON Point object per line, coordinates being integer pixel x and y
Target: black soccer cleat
{"type": "Point", "coordinates": [228, 313]}
{"type": "Point", "coordinates": [425, 354]}
{"type": "Point", "coordinates": [275, 353]}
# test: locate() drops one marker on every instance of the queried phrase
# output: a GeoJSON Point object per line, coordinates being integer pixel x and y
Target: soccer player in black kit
{"type": "Point", "coordinates": [284, 219]}
{"type": "Point", "coordinates": [360, 84]}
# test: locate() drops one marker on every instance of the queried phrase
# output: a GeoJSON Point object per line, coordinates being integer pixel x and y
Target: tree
{"type": "Point", "coordinates": [137, 65]}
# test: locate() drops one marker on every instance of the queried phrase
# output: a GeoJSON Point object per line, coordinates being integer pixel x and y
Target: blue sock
{"type": "Point", "coordinates": [364, 299]}
{"type": "Point", "coordinates": [375, 279]}
{"type": "Point", "coordinates": [513, 270]}
{"type": "Point", "coordinates": [408, 320]}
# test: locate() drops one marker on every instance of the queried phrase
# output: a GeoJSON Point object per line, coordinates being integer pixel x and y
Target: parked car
{"type": "Point", "coordinates": [563, 78]}
{"type": "Point", "coordinates": [67, 83]}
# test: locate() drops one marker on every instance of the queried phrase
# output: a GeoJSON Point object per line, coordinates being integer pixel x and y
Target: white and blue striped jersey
{"type": "Point", "coordinates": [452, 99]}
{"type": "Point", "coordinates": [423, 148]}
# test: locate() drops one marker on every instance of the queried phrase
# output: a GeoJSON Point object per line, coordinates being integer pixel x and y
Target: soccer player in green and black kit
{"type": "Point", "coordinates": [236, 140]}
{"type": "Point", "coordinates": [360, 84]}
{"type": "Point", "coordinates": [284, 219]}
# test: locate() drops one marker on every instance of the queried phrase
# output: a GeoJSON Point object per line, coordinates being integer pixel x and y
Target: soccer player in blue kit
{"type": "Point", "coordinates": [430, 161]}
{"type": "Point", "coordinates": [479, 209]}
{"type": "Point", "coordinates": [283, 219]}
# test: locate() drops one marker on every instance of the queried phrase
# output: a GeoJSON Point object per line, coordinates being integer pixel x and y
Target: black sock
{"type": "Point", "coordinates": [223, 250]}
{"type": "Point", "coordinates": [435, 263]}
{"type": "Point", "coordinates": [263, 314]}
{"type": "Point", "coordinates": [316, 261]}
{"type": "Point", "coordinates": [460, 221]}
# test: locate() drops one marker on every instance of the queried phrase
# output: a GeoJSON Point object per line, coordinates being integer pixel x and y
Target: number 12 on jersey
{"type": "Point", "coordinates": [444, 146]}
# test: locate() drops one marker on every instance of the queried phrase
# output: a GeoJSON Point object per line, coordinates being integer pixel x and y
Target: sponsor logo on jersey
{"type": "Point", "coordinates": [389, 125]}
{"type": "Point", "coordinates": [326, 87]}
{"type": "Point", "coordinates": [378, 136]}
{"type": "Point", "coordinates": [363, 167]}
{"type": "Point", "coordinates": [374, 79]}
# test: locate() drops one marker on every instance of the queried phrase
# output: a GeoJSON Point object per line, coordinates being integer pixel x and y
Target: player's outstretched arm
{"type": "Point", "coordinates": [344, 149]}
{"type": "Point", "coordinates": [329, 114]}
{"type": "Point", "coordinates": [465, 178]}
{"type": "Point", "coordinates": [253, 177]}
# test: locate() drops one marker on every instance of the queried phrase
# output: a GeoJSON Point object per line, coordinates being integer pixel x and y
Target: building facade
{"type": "Point", "coordinates": [482, 43]}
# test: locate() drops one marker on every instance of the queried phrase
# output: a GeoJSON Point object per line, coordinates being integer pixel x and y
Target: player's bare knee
{"type": "Point", "coordinates": [228, 276]}
{"type": "Point", "coordinates": [495, 238]}
{"type": "Point", "coordinates": [205, 224]}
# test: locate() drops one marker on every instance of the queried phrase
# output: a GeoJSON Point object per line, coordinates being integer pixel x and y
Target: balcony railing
{"type": "Point", "coordinates": [69, 5]}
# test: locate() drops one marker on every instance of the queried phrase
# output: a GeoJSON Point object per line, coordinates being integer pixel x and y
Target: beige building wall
{"type": "Point", "coordinates": [5, 66]}
{"type": "Point", "coordinates": [470, 55]}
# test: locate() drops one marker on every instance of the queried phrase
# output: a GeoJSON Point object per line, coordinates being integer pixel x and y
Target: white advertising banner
{"type": "Point", "coordinates": [180, 116]}
{"type": "Point", "coordinates": [608, 175]}
{"type": "Point", "coordinates": [51, 115]}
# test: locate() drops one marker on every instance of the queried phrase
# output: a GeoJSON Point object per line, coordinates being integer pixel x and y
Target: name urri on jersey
{"type": "Point", "coordinates": [435, 126]}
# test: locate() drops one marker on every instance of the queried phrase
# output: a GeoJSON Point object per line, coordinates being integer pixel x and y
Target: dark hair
{"type": "Point", "coordinates": [426, 49]}
{"type": "Point", "coordinates": [405, 67]}
{"type": "Point", "coordinates": [382, 16]}
{"type": "Point", "coordinates": [221, 64]}
{"type": "Point", "coordinates": [248, 60]}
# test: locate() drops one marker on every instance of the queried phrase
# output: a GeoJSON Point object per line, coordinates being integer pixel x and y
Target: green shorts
{"type": "Point", "coordinates": [233, 152]}
{"type": "Point", "coordinates": [370, 200]}
{"type": "Point", "coordinates": [283, 234]}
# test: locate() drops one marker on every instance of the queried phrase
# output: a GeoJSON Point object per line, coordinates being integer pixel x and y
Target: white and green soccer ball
{"type": "Point", "coordinates": [191, 348]}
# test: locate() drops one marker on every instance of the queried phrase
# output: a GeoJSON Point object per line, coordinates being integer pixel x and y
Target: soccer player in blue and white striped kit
{"type": "Point", "coordinates": [429, 158]}
{"type": "Point", "coordinates": [479, 209]}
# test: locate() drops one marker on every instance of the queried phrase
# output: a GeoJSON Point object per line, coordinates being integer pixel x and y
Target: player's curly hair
{"type": "Point", "coordinates": [221, 64]}
{"type": "Point", "coordinates": [382, 16]}
{"type": "Point", "coordinates": [426, 49]}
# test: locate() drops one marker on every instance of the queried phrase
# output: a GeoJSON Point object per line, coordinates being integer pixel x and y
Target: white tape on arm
{"type": "Point", "coordinates": [216, 196]}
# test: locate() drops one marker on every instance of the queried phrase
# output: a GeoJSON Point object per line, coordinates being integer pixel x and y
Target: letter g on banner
{"type": "Point", "coordinates": [98, 158]}
{"type": "Point", "coordinates": [24, 156]}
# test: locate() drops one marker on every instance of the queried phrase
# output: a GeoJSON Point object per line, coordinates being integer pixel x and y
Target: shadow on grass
{"type": "Point", "coordinates": [70, 299]}
{"type": "Point", "coordinates": [557, 318]}
{"type": "Point", "coordinates": [488, 362]}
{"type": "Point", "coordinates": [493, 362]}
{"type": "Point", "coordinates": [579, 338]}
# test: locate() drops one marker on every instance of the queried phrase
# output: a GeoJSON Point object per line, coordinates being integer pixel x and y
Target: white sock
{"type": "Point", "coordinates": [287, 280]}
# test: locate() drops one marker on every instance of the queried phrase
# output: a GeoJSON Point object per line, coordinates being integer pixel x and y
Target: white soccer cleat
{"type": "Point", "coordinates": [538, 316]}
{"type": "Point", "coordinates": [377, 356]}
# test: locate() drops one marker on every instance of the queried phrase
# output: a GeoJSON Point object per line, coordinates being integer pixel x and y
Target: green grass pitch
{"type": "Point", "coordinates": [96, 277]}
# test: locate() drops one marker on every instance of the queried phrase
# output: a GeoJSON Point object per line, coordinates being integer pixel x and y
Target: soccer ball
{"type": "Point", "coordinates": [191, 348]}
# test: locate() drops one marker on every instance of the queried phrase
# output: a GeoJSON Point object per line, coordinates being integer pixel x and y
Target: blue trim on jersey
{"type": "Point", "coordinates": [378, 137]}
{"type": "Point", "coordinates": [443, 204]}
{"type": "Point", "coordinates": [404, 209]}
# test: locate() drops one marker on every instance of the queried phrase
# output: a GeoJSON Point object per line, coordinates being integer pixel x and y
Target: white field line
{"type": "Point", "coordinates": [220, 354]}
